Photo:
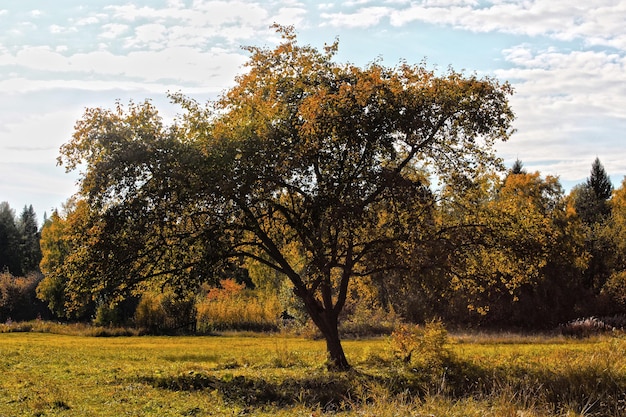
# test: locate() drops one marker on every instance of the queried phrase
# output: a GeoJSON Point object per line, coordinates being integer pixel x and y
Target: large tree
{"type": "Point", "coordinates": [305, 165]}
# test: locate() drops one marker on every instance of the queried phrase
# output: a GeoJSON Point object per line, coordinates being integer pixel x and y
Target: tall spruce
{"type": "Point", "coordinates": [591, 198]}
{"type": "Point", "coordinates": [518, 168]}
{"type": "Point", "coordinates": [599, 181]}
{"type": "Point", "coordinates": [9, 241]}
{"type": "Point", "coordinates": [591, 201]}
{"type": "Point", "coordinates": [30, 251]}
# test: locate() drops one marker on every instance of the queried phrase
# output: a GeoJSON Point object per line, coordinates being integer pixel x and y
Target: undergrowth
{"type": "Point", "coordinates": [72, 329]}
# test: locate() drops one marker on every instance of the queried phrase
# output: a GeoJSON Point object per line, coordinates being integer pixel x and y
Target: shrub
{"type": "Point", "coordinates": [615, 288]}
{"type": "Point", "coordinates": [365, 321]}
{"type": "Point", "coordinates": [165, 313]}
{"type": "Point", "coordinates": [423, 346]}
{"type": "Point", "coordinates": [51, 290]}
{"type": "Point", "coordinates": [106, 315]}
{"type": "Point", "coordinates": [17, 297]}
{"type": "Point", "coordinates": [593, 326]}
{"type": "Point", "coordinates": [115, 314]}
{"type": "Point", "coordinates": [232, 307]}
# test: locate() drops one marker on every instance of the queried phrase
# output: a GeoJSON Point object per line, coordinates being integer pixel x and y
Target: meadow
{"type": "Point", "coordinates": [51, 374]}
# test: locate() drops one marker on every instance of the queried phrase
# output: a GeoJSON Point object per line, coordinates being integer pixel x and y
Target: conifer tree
{"type": "Point", "coordinates": [518, 168]}
{"type": "Point", "coordinates": [591, 198]}
{"type": "Point", "coordinates": [592, 203]}
{"type": "Point", "coordinates": [30, 252]}
{"type": "Point", "coordinates": [9, 239]}
{"type": "Point", "coordinates": [599, 181]}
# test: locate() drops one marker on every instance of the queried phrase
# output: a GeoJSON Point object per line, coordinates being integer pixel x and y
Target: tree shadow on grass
{"type": "Point", "coordinates": [328, 390]}
{"type": "Point", "coordinates": [597, 391]}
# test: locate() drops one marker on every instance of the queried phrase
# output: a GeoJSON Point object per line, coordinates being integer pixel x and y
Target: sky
{"type": "Point", "coordinates": [566, 60]}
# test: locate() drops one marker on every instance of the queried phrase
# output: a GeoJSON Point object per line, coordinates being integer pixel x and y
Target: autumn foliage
{"type": "Point", "coordinates": [353, 196]}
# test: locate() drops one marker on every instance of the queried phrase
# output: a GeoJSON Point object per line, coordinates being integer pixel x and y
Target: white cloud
{"type": "Point", "coordinates": [24, 28]}
{"type": "Point", "coordinates": [56, 29]}
{"type": "Point", "coordinates": [362, 18]}
{"type": "Point", "coordinates": [44, 186]}
{"type": "Point", "coordinates": [449, 3]}
{"type": "Point", "coordinates": [232, 21]}
{"type": "Point", "coordinates": [86, 21]}
{"type": "Point", "coordinates": [352, 3]}
{"type": "Point", "coordinates": [290, 16]}
{"type": "Point", "coordinates": [184, 67]}
{"type": "Point", "coordinates": [176, 4]}
{"type": "Point", "coordinates": [229, 12]}
{"type": "Point", "coordinates": [592, 81]}
{"type": "Point", "coordinates": [113, 30]}
{"type": "Point", "coordinates": [569, 104]}
{"type": "Point", "coordinates": [151, 35]}
{"type": "Point", "coordinates": [599, 22]}
{"type": "Point", "coordinates": [35, 57]}
{"type": "Point", "coordinates": [35, 138]}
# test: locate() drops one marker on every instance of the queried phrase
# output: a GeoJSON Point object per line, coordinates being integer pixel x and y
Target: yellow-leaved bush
{"type": "Point", "coordinates": [421, 346]}
{"type": "Point", "coordinates": [232, 307]}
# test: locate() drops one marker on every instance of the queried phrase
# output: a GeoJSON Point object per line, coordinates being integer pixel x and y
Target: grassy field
{"type": "Point", "coordinates": [43, 374]}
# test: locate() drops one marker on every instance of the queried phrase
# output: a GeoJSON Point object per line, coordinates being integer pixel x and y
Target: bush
{"type": "Point", "coordinates": [51, 290]}
{"type": "Point", "coordinates": [232, 307]}
{"type": "Point", "coordinates": [115, 314]}
{"type": "Point", "coordinates": [18, 301]}
{"type": "Point", "coordinates": [585, 327]}
{"type": "Point", "coordinates": [422, 346]}
{"type": "Point", "coordinates": [593, 326]}
{"type": "Point", "coordinates": [106, 315]}
{"type": "Point", "coordinates": [615, 288]}
{"type": "Point", "coordinates": [366, 321]}
{"type": "Point", "coordinates": [165, 313]}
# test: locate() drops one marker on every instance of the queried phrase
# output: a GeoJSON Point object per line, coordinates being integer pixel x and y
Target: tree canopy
{"type": "Point", "coordinates": [309, 166]}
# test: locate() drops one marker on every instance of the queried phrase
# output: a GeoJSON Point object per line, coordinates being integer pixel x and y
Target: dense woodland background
{"type": "Point", "coordinates": [568, 249]}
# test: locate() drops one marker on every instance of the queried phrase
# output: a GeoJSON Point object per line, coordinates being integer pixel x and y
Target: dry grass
{"type": "Point", "coordinates": [46, 374]}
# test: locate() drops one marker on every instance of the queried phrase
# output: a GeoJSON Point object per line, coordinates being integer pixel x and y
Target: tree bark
{"type": "Point", "coordinates": [336, 357]}
{"type": "Point", "coordinates": [327, 322]}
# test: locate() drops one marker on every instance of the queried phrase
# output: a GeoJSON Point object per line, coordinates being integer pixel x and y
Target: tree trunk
{"type": "Point", "coordinates": [327, 322]}
{"type": "Point", "coordinates": [336, 358]}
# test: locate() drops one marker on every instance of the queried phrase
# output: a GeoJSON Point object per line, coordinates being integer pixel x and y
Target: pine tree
{"type": "Point", "coordinates": [591, 198]}
{"type": "Point", "coordinates": [9, 241]}
{"type": "Point", "coordinates": [591, 201]}
{"type": "Point", "coordinates": [599, 181]}
{"type": "Point", "coordinates": [30, 251]}
{"type": "Point", "coordinates": [518, 168]}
